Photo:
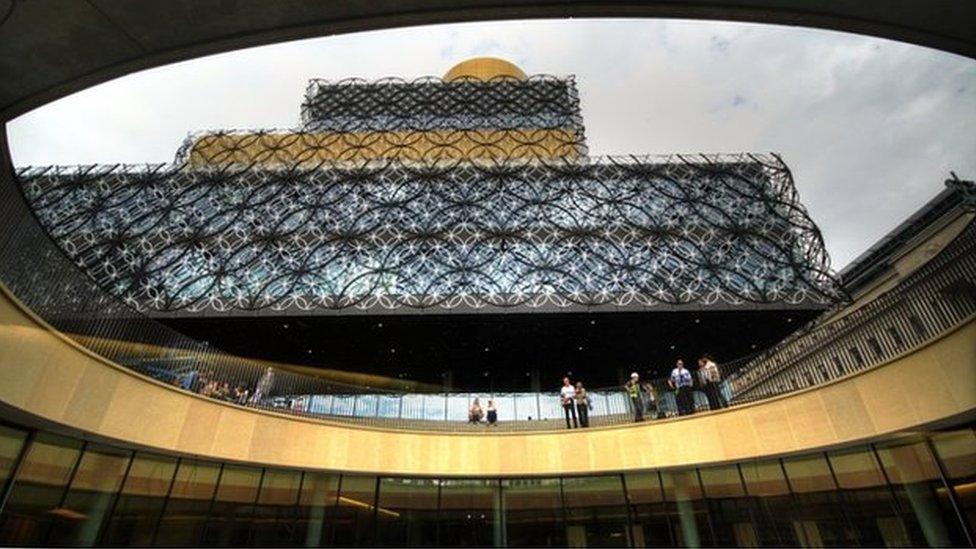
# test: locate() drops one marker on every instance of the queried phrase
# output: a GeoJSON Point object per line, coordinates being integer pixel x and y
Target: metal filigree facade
{"type": "Point", "coordinates": [434, 195]}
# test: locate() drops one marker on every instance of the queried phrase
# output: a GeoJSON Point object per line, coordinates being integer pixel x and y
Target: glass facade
{"type": "Point", "coordinates": [911, 491]}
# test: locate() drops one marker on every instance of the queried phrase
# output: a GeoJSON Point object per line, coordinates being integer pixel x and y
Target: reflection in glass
{"type": "Point", "coordinates": [275, 514]}
{"type": "Point", "coordinates": [957, 452]}
{"type": "Point", "coordinates": [406, 512]}
{"type": "Point", "coordinates": [596, 513]}
{"type": "Point", "coordinates": [920, 493]}
{"type": "Point", "coordinates": [141, 501]}
{"type": "Point", "coordinates": [316, 507]}
{"type": "Point", "coordinates": [93, 488]}
{"type": "Point", "coordinates": [185, 514]}
{"type": "Point", "coordinates": [533, 512]}
{"type": "Point", "coordinates": [36, 496]}
{"type": "Point", "coordinates": [353, 522]}
{"type": "Point", "coordinates": [233, 507]}
{"type": "Point", "coordinates": [766, 484]}
{"type": "Point", "coordinates": [819, 510]}
{"type": "Point", "coordinates": [11, 444]}
{"type": "Point", "coordinates": [686, 505]}
{"type": "Point", "coordinates": [732, 513]}
{"type": "Point", "coordinates": [66, 493]}
{"type": "Point", "coordinates": [867, 498]}
{"type": "Point", "coordinates": [651, 526]}
{"type": "Point", "coordinates": [470, 513]}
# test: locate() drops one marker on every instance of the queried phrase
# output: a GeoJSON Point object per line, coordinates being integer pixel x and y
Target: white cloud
{"type": "Point", "coordinates": [869, 127]}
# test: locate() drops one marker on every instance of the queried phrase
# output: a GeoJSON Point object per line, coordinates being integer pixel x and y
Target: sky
{"type": "Point", "coordinates": [869, 127]}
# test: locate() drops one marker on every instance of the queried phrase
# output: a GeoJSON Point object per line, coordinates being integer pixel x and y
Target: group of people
{"type": "Point", "coordinates": [644, 397]}
{"type": "Point", "coordinates": [576, 404]}
{"type": "Point", "coordinates": [207, 384]}
{"type": "Point", "coordinates": [476, 413]}
{"type": "Point", "coordinates": [572, 397]}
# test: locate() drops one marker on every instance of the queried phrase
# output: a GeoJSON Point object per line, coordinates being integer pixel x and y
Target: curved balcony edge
{"type": "Point", "coordinates": [48, 379]}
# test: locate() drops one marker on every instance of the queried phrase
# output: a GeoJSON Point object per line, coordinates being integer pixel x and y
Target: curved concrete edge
{"type": "Point", "coordinates": [47, 377]}
{"type": "Point", "coordinates": [83, 45]}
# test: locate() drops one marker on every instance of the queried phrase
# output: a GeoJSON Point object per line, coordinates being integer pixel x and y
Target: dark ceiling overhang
{"type": "Point", "coordinates": [51, 48]}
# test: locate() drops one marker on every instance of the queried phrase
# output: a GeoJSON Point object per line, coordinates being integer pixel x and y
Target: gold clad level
{"type": "Point", "coordinates": [307, 150]}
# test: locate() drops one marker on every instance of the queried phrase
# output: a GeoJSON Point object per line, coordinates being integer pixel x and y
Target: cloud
{"type": "Point", "coordinates": [869, 127]}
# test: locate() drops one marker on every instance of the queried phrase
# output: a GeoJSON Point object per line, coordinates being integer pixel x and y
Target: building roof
{"type": "Point", "coordinates": [484, 68]}
{"type": "Point", "coordinates": [879, 257]}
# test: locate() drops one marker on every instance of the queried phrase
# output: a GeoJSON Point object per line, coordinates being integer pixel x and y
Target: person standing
{"type": "Point", "coordinates": [633, 389]}
{"type": "Point", "coordinates": [651, 400]}
{"type": "Point", "coordinates": [582, 405]}
{"type": "Point", "coordinates": [567, 397]}
{"type": "Point", "coordinates": [681, 382]}
{"type": "Point", "coordinates": [264, 387]}
{"type": "Point", "coordinates": [710, 378]}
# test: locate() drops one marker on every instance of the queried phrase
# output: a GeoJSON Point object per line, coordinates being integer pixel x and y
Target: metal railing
{"type": "Point", "coordinates": [931, 301]}
{"type": "Point", "coordinates": [928, 303]}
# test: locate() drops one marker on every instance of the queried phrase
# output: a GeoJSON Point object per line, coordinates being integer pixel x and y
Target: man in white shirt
{"type": "Point", "coordinates": [681, 382]}
{"type": "Point", "coordinates": [567, 397]}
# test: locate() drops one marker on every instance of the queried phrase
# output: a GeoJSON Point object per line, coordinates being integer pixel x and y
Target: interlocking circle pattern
{"type": "Point", "coordinates": [434, 195]}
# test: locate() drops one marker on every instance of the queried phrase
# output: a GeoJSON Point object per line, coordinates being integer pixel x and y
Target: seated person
{"type": "Point", "coordinates": [475, 413]}
{"type": "Point", "coordinates": [492, 413]}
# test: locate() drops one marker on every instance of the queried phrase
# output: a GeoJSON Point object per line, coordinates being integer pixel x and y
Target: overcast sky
{"type": "Point", "coordinates": [870, 128]}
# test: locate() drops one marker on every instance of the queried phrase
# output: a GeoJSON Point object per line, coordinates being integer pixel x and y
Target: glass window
{"type": "Point", "coordinates": [526, 406]}
{"type": "Point", "coordinates": [141, 501]}
{"type": "Point", "coordinates": [275, 514]}
{"type": "Point", "coordinates": [457, 407]}
{"type": "Point", "coordinates": [596, 512]}
{"type": "Point", "coordinates": [732, 513]}
{"type": "Point", "coordinates": [366, 405]}
{"type": "Point", "coordinates": [766, 484]}
{"type": "Point", "coordinates": [412, 407]}
{"type": "Point", "coordinates": [11, 444]}
{"type": "Point", "coordinates": [505, 405]}
{"type": "Point", "coordinates": [406, 512]}
{"type": "Point", "coordinates": [435, 407]}
{"type": "Point", "coordinates": [686, 505]}
{"type": "Point", "coordinates": [186, 510]}
{"type": "Point", "coordinates": [533, 512]}
{"type": "Point", "coordinates": [651, 527]}
{"type": "Point", "coordinates": [470, 513]}
{"type": "Point", "coordinates": [957, 451]}
{"type": "Point", "coordinates": [819, 512]}
{"type": "Point", "coordinates": [316, 508]}
{"type": "Point", "coordinates": [921, 495]}
{"type": "Point", "coordinates": [550, 407]}
{"type": "Point", "coordinates": [353, 522]}
{"type": "Point", "coordinates": [867, 500]}
{"type": "Point", "coordinates": [93, 490]}
{"type": "Point", "coordinates": [232, 510]}
{"type": "Point", "coordinates": [38, 491]}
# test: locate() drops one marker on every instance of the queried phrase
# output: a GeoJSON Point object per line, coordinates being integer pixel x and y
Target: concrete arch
{"type": "Point", "coordinates": [51, 49]}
